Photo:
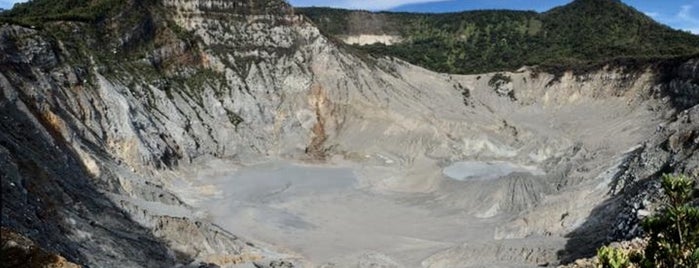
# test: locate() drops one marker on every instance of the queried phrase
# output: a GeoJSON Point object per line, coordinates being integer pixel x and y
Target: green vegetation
{"type": "Point", "coordinates": [36, 12]}
{"type": "Point", "coordinates": [234, 118]}
{"type": "Point", "coordinates": [498, 80]}
{"type": "Point", "coordinates": [674, 233]}
{"type": "Point", "coordinates": [583, 33]}
{"type": "Point", "coordinates": [609, 257]}
{"type": "Point", "coordinates": [91, 25]}
{"type": "Point", "coordinates": [330, 20]}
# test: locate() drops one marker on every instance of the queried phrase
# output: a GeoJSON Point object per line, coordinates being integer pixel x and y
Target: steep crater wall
{"type": "Point", "coordinates": [85, 135]}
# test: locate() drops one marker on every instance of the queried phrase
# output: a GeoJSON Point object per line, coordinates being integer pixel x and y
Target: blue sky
{"type": "Point", "coordinates": [679, 14]}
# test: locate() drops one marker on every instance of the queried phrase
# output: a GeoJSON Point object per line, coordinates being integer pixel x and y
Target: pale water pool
{"type": "Point", "coordinates": [478, 170]}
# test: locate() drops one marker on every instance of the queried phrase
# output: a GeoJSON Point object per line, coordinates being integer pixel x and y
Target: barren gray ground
{"type": "Point", "coordinates": [322, 212]}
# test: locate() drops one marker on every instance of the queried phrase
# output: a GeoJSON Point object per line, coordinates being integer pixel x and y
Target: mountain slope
{"type": "Point", "coordinates": [601, 29]}
{"type": "Point", "coordinates": [580, 33]}
{"type": "Point", "coordinates": [110, 127]}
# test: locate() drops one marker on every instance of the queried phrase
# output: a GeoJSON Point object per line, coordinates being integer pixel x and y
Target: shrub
{"type": "Point", "coordinates": [674, 233]}
{"type": "Point", "coordinates": [609, 257]}
{"type": "Point", "coordinates": [498, 80]}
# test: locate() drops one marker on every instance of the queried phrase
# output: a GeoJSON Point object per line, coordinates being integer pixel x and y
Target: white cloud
{"type": "Point", "coordinates": [682, 20]}
{"type": "Point", "coordinates": [685, 14]}
{"type": "Point", "coordinates": [383, 4]}
{"type": "Point", "coordinates": [687, 21]}
{"type": "Point", "coordinates": [652, 14]}
{"type": "Point", "coordinates": [361, 4]}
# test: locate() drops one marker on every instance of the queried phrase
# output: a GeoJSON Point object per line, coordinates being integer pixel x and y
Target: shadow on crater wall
{"type": "Point", "coordinates": [671, 150]}
{"type": "Point", "coordinates": [49, 197]}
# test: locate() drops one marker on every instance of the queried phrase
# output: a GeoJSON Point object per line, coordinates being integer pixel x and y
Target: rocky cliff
{"type": "Point", "coordinates": [101, 119]}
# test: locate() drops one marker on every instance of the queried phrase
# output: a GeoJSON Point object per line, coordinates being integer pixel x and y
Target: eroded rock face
{"type": "Point", "coordinates": [18, 251]}
{"type": "Point", "coordinates": [90, 147]}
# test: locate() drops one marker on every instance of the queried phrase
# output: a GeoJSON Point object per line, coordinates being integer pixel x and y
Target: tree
{"type": "Point", "coordinates": [674, 233]}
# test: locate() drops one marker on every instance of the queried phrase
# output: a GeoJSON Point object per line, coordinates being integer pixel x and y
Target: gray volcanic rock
{"type": "Point", "coordinates": [101, 135]}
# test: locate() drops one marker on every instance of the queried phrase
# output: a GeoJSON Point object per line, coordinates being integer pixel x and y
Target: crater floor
{"type": "Point", "coordinates": [326, 215]}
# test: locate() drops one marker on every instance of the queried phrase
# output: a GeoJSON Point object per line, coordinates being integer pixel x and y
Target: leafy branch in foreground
{"type": "Point", "coordinates": [610, 257]}
{"type": "Point", "coordinates": [674, 233]}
